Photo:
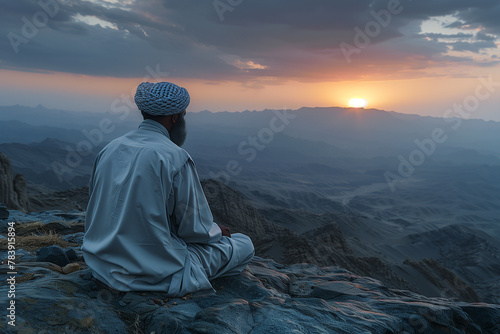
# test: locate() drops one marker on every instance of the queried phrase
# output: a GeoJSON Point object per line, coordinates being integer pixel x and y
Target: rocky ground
{"type": "Point", "coordinates": [267, 297]}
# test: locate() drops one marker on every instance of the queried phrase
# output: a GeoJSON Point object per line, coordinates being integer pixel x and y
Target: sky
{"type": "Point", "coordinates": [409, 56]}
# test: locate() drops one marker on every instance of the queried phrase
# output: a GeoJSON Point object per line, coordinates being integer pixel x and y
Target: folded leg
{"type": "Point", "coordinates": [226, 257]}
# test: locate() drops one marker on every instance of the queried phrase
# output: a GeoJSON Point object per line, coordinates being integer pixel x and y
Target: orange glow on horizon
{"type": "Point", "coordinates": [424, 96]}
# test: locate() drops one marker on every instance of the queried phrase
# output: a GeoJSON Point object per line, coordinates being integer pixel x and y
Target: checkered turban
{"type": "Point", "coordinates": [162, 98]}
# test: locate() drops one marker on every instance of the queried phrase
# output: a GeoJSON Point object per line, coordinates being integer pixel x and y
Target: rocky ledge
{"type": "Point", "coordinates": [267, 297]}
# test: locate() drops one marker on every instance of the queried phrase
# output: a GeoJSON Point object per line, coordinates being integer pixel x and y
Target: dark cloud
{"type": "Point", "coordinates": [283, 39]}
{"type": "Point", "coordinates": [472, 46]}
{"type": "Point", "coordinates": [70, 46]}
{"type": "Point", "coordinates": [448, 36]}
{"type": "Point", "coordinates": [485, 17]}
{"type": "Point", "coordinates": [484, 37]}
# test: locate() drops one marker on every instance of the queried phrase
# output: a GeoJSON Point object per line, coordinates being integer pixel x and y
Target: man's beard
{"type": "Point", "coordinates": [178, 131]}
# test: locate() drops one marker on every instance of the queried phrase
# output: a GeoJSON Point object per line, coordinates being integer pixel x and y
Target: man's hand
{"type": "Point", "coordinates": [225, 231]}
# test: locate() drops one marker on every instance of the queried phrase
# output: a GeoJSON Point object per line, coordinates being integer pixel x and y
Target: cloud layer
{"type": "Point", "coordinates": [255, 42]}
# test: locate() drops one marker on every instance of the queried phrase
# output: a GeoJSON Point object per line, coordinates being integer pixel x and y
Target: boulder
{"type": "Point", "coordinates": [71, 254]}
{"type": "Point", "coordinates": [12, 188]}
{"type": "Point", "coordinates": [54, 254]}
{"type": "Point", "coordinates": [70, 267]}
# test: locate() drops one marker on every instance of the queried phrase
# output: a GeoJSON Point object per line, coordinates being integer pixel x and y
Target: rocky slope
{"type": "Point", "coordinates": [319, 240]}
{"type": "Point", "coordinates": [52, 163]}
{"type": "Point", "coordinates": [267, 297]}
{"type": "Point", "coordinates": [42, 199]}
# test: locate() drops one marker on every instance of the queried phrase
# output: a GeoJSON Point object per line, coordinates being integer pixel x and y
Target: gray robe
{"type": "Point", "coordinates": [147, 213]}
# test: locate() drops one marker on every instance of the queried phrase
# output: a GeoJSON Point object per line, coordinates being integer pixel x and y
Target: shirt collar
{"type": "Point", "coordinates": [150, 125]}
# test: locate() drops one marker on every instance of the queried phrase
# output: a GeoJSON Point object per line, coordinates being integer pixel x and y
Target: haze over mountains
{"type": "Point", "coordinates": [419, 194]}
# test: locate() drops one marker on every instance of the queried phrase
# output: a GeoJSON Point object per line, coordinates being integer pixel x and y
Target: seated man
{"type": "Point", "coordinates": [149, 226]}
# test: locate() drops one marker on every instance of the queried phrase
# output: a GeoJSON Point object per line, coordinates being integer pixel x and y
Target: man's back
{"type": "Point", "coordinates": [128, 225]}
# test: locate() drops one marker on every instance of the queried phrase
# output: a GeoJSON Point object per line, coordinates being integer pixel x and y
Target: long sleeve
{"type": "Point", "coordinates": [193, 218]}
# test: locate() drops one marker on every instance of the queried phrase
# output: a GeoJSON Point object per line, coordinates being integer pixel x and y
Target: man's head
{"type": "Point", "coordinates": [165, 103]}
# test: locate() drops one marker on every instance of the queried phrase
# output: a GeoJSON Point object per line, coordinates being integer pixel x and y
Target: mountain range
{"type": "Point", "coordinates": [413, 201]}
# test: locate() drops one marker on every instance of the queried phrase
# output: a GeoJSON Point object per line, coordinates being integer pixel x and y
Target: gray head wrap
{"type": "Point", "coordinates": [162, 98]}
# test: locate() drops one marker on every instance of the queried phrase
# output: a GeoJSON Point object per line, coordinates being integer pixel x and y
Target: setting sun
{"type": "Point", "coordinates": [357, 103]}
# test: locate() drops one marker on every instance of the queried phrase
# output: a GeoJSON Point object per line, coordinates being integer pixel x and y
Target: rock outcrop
{"type": "Point", "coordinates": [444, 279]}
{"type": "Point", "coordinates": [19, 187]}
{"type": "Point", "coordinates": [12, 188]}
{"type": "Point", "coordinates": [267, 297]}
